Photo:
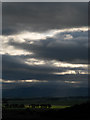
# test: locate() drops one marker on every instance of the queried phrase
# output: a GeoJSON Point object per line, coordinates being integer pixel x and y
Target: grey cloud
{"type": "Point", "coordinates": [72, 51]}
{"type": "Point", "coordinates": [43, 16]}
{"type": "Point", "coordinates": [13, 69]}
{"type": "Point", "coordinates": [40, 17]}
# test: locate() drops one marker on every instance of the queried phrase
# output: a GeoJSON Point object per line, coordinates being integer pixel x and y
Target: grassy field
{"type": "Point", "coordinates": [56, 103]}
{"type": "Point", "coordinates": [59, 107]}
{"type": "Point", "coordinates": [53, 106]}
{"type": "Point", "coordinates": [68, 101]}
{"type": "Point", "coordinates": [78, 112]}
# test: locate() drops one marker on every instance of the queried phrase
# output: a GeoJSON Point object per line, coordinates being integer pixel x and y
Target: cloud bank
{"type": "Point", "coordinates": [43, 44]}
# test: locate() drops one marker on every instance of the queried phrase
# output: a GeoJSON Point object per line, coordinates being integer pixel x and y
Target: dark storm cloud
{"type": "Point", "coordinates": [15, 64]}
{"type": "Point", "coordinates": [40, 17]}
{"type": "Point", "coordinates": [14, 69]}
{"type": "Point", "coordinates": [72, 51]}
{"type": "Point", "coordinates": [43, 16]}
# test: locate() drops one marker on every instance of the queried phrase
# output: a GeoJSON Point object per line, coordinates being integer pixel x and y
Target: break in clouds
{"type": "Point", "coordinates": [45, 44]}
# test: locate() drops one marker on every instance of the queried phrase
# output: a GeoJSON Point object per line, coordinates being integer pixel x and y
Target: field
{"type": "Point", "coordinates": [61, 109]}
{"type": "Point", "coordinates": [65, 101]}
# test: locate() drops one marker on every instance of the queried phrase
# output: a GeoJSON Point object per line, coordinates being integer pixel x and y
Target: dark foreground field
{"type": "Point", "coordinates": [77, 112]}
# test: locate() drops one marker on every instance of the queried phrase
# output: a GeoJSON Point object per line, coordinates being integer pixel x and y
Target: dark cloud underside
{"type": "Point", "coordinates": [70, 46]}
{"type": "Point", "coordinates": [43, 16]}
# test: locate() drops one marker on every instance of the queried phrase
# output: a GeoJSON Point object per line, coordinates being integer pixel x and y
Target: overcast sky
{"type": "Point", "coordinates": [45, 49]}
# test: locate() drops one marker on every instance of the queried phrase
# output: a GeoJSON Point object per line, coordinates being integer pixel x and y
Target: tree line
{"type": "Point", "coordinates": [29, 106]}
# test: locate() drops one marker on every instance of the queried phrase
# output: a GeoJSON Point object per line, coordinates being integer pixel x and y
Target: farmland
{"type": "Point", "coordinates": [64, 101]}
{"type": "Point", "coordinates": [60, 107]}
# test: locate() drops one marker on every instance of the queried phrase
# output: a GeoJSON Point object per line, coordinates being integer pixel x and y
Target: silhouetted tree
{"type": "Point", "coordinates": [43, 105]}
{"type": "Point", "coordinates": [33, 105]}
{"type": "Point", "coordinates": [6, 105]}
{"type": "Point", "coordinates": [49, 105]}
{"type": "Point", "coordinates": [21, 106]}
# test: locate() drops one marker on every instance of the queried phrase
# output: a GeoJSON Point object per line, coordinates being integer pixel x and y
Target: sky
{"type": "Point", "coordinates": [44, 49]}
